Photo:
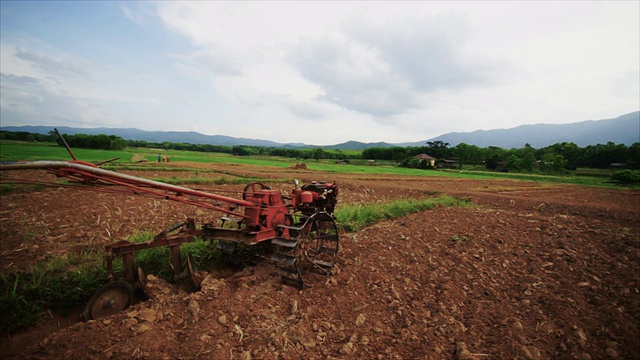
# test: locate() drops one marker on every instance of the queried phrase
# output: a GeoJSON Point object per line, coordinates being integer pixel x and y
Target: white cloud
{"type": "Point", "coordinates": [327, 72]}
{"type": "Point", "coordinates": [189, 70]}
{"type": "Point", "coordinates": [216, 62]}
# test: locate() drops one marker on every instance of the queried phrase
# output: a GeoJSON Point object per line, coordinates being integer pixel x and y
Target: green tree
{"type": "Point", "coordinates": [396, 153]}
{"type": "Point", "coordinates": [468, 154]}
{"type": "Point", "coordinates": [239, 151]}
{"type": "Point", "coordinates": [493, 155]}
{"type": "Point", "coordinates": [626, 177]}
{"type": "Point", "coordinates": [438, 149]}
{"type": "Point", "coordinates": [602, 156]}
{"type": "Point", "coordinates": [528, 160]}
{"type": "Point", "coordinates": [513, 163]}
{"type": "Point", "coordinates": [318, 154]}
{"type": "Point", "coordinates": [572, 154]}
{"type": "Point", "coordinates": [553, 163]}
{"type": "Point", "coordinates": [633, 159]}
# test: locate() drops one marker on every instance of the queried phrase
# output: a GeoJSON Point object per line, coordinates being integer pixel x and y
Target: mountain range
{"type": "Point", "coordinates": [624, 129]}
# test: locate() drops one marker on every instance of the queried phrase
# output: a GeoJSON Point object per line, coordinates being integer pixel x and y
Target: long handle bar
{"type": "Point", "coordinates": [116, 178]}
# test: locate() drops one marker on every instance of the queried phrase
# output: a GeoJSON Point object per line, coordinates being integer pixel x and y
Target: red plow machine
{"type": "Point", "coordinates": [299, 230]}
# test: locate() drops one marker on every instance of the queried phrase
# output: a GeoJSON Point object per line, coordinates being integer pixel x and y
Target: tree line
{"type": "Point", "coordinates": [247, 150]}
{"type": "Point", "coordinates": [554, 158]}
{"type": "Point", "coordinates": [112, 142]}
{"type": "Point", "coordinates": [83, 141]}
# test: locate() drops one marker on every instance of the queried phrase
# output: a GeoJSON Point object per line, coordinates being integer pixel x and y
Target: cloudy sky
{"type": "Point", "coordinates": [320, 73]}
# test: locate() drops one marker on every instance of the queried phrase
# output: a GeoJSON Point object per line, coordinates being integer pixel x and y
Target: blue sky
{"type": "Point", "coordinates": [317, 72]}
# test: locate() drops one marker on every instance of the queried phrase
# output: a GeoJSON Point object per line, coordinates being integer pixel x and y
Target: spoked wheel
{"type": "Point", "coordinates": [252, 187]}
{"type": "Point", "coordinates": [312, 254]}
{"type": "Point", "coordinates": [110, 299]}
{"type": "Point", "coordinates": [318, 245]}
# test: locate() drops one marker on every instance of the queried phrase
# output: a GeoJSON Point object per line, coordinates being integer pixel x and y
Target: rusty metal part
{"type": "Point", "coordinates": [110, 299]}
{"type": "Point", "coordinates": [265, 215]}
{"type": "Point", "coordinates": [304, 249]}
{"type": "Point", "coordinates": [107, 161]}
{"type": "Point", "coordinates": [64, 142]}
{"type": "Point", "coordinates": [194, 274]}
{"type": "Point", "coordinates": [92, 175]}
{"type": "Point", "coordinates": [251, 188]}
{"type": "Point", "coordinates": [127, 250]}
{"type": "Point", "coordinates": [142, 281]}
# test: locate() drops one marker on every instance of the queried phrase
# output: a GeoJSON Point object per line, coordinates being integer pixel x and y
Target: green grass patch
{"type": "Point", "coordinates": [201, 181]}
{"type": "Point", "coordinates": [584, 180]}
{"type": "Point", "coordinates": [153, 167]}
{"type": "Point", "coordinates": [7, 188]}
{"type": "Point", "coordinates": [356, 217]}
{"type": "Point", "coordinates": [223, 180]}
{"type": "Point", "coordinates": [67, 282]}
{"type": "Point", "coordinates": [157, 261]}
{"type": "Point", "coordinates": [14, 150]}
{"type": "Point", "coordinates": [59, 284]}
{"type": "Point", "coordinates": [593, 172]}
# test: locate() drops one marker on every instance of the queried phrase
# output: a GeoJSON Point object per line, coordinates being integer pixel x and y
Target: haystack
{"type": "Point", "coordinates": [137, 158]}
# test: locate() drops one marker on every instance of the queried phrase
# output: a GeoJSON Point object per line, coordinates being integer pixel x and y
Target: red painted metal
{"type": "Point", "coordinates": [261, 211]}
{"type": "Point", "coordinates": [261, 215]}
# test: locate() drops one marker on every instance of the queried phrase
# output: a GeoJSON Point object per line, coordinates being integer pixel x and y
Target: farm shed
{"type": "Point", "coordinates": [448, 164]}
{"type": "Point", "coordinates": [430, 159]}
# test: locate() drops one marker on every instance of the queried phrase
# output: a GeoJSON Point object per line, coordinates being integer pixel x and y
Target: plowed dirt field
{"type": "Point", "coordinates": [531, 271]}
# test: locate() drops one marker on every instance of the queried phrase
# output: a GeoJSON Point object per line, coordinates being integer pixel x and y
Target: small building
{"type": "Point", "coordinates": [431, 161]}
{"type": "Point", "coordinates": [448, 164]}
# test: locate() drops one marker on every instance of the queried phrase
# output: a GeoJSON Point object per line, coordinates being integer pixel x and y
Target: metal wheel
{"type": "Point", "coordinates": [308, 252]}
{"type": "Point", "coordinates": [110, 299]}
{"type": "Point", "coordinates": [252, 187]}
{"type": "Point", "coordinates": [318, 245]}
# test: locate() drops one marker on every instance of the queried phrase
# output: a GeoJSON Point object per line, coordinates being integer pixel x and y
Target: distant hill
{"type": "Point", "coordinates": [190, 137]}
{"type": "Point", "coordinates": [356, 145]}
{"type": "Point", "coordinates": [349, 145]}
{"type": "Point", "coordinates": [624, 129]}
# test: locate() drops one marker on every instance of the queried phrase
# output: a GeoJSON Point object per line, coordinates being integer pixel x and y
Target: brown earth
{"type": "Point", "coordinates": [532, 271]}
